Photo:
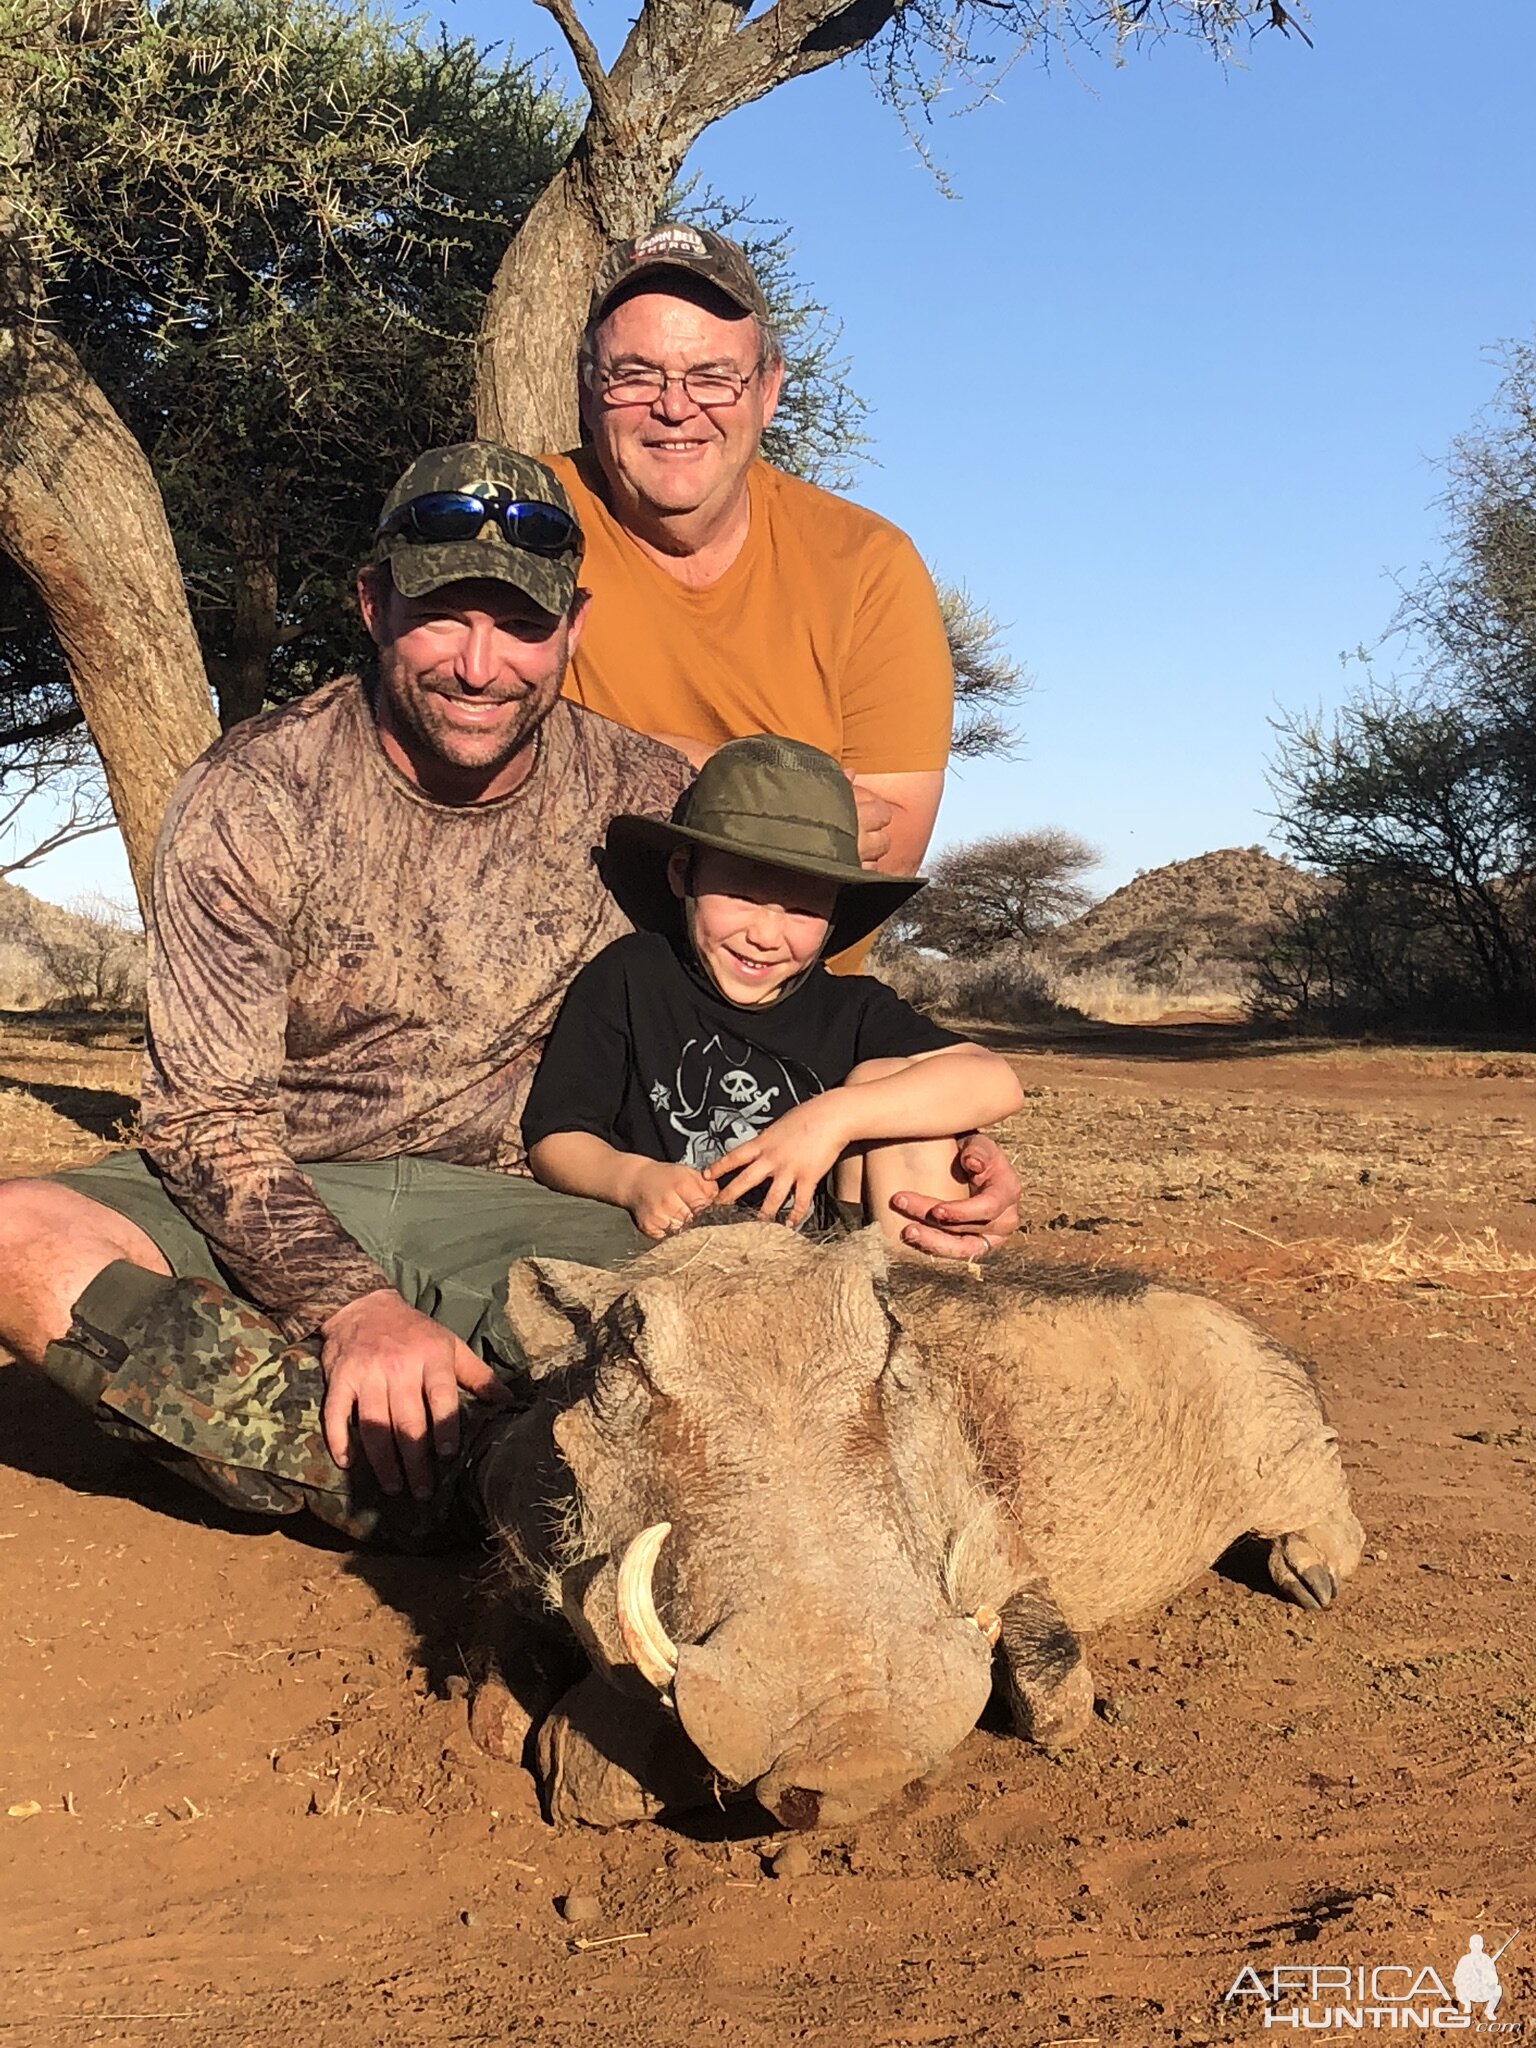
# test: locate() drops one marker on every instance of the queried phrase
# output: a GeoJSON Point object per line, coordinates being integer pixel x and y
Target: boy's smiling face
{"type": "Point", "coordinates": [753, 927]}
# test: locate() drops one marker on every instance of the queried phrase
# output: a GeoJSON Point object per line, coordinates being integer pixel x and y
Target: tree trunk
{"type": "Point", "coordinates": [525, 379]}
{"type": "Point", "coordinates": [240, 678]}
{"type": "Point", "coordinates": [81, 516]}
{"type": "Point", "coordinates": [684, 64]}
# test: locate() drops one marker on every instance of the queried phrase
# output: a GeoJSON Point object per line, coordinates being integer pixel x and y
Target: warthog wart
{"type": "Point", "coordinates": [798, 1506]}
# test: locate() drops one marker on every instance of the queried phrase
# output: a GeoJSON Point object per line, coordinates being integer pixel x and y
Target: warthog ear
{"type": "Point", "coordinates": [866, 1251]}
{"type": "Point", "coordinates": [866, 1255]}
{"type": "Point", "coordinates": [553, 1303]}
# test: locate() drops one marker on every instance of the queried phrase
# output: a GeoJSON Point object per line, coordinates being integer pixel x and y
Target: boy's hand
{"type": "Point", "coordinates": [662, 1197]}
{"type": "Point", "coordinates": [792, 1155]}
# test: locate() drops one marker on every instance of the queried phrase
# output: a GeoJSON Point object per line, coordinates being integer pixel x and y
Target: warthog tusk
{"type": "Point", "coordinates": [989, 1621]}
{"type": "Point", "coordinates": [652, 1651]}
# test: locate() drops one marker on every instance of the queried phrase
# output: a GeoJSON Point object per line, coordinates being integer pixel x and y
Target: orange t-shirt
{"type": "Point", "coordinates": [824, 629]}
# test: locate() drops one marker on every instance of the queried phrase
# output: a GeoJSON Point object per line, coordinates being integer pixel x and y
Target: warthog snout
{"type": "Point", "coordinates": [813, 1755]}
{"type": "Point", "coordinates": [826, 1787]}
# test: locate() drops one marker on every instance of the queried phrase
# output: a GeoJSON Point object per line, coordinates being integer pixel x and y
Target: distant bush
{"type": "Point", "coordinates": [1007, 986]}
{"type": "Point", "coordinates": [93, 959]}
{"type": "Point", "coordinates": [1379, 950]}
{"type": "Point", "coordinates": [1417, 798]}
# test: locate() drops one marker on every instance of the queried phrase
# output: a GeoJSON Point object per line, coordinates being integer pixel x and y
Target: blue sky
{"type": "Point", "coordinates": [1165, 380]}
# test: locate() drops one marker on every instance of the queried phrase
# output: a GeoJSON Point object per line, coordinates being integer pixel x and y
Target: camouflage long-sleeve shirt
{"type": "Point", "coordinates": [343, 969]}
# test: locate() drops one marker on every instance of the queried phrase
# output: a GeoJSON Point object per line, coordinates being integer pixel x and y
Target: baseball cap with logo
{"type": "Point", "coordinates": [673, 245]}
{"type": "Point", "coordinates": [531, 552]}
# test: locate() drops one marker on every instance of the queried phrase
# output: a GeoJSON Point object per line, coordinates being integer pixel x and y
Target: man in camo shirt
{"type": "Point", "coordinates": [367, 907]}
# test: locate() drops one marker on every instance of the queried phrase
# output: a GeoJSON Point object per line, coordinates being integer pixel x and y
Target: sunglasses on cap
{"type": "Point", "coordinates": [459, 515]}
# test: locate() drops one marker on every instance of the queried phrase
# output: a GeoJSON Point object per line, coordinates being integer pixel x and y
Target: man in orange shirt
{"type": "Point", "coordinates": [732, 599]}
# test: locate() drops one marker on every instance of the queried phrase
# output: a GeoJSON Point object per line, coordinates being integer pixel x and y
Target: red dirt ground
{"type": "Point", "coordinates": [244, 1808]}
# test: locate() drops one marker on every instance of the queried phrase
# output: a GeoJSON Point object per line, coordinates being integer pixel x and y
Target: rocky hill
{"type": "Point", "coordinates": [1195, 922]}
{"type": "Point", "coordinates": [23, 915]}
{"type": "Point", "coordinates": [90, 957]}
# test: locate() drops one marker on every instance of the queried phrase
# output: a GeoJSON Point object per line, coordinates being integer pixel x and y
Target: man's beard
{"type": "Point", "coordinates": [413, 708]}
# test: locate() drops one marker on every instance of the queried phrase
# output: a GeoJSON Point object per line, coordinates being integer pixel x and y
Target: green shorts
{"type": "Point", "coordinates": [444, 1234]}
{"type": "Point", "coordinates": [205, 1384]}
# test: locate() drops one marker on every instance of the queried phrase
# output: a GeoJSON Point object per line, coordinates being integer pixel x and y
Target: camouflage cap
{"type": "Point", "coordinates": [673, 245]}
{"type": "Point", "coordinates": [419, 566]}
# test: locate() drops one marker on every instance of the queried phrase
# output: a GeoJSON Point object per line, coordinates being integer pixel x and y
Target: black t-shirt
{"type": "Point", "coordinates": [648, 1055]}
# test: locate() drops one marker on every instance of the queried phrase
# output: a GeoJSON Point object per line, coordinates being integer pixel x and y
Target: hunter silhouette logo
{"type": "Point", "coordinates": [1475, 1980]}
{"type": "Point", "coordinates": [1360, 1998]}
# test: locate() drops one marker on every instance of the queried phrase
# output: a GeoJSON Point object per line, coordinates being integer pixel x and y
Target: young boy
{"type": "Point", "coordinates": [710, 1056]}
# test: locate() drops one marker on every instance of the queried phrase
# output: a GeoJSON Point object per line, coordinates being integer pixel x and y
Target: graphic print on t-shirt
{"type": "Point", "coordinates": [724, 1092]}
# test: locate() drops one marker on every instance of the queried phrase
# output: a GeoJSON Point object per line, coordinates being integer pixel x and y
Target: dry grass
{"type": "Point", "coordinates": [1017, 985]}
{"type": "Point", "coordinates": [1324, 1134]}
{"type": "Point", "coordinates": [67, 1092]}
{"type": "Point", "coordinates": [25, 983]}
{"type": "Point", "coordinates": [1113, 996]}
{"type": "Point", "coordinates": [1406, 1256]}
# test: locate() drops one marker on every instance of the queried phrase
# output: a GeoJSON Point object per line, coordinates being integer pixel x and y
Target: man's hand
{"type": "Point", "coordinates": [980, 1221]}
{"type": "Point", "coordinates": [875, 816]}
{"type": "Point", "coordinates": [401, 1374]}
{"type": "Point", "coordinates": [663, 1197]}
{"type": "Point", "coordinates": [792, 1155]}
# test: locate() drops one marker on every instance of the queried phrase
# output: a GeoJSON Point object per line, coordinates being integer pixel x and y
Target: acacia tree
{"type": "Point", "coordinates": [79, 511]}
{"type": "Point", "coordinates": [1005, 890]}
{"type": "Point", "coordinates": [686, 64]}
{"type": "Point", "coordinates": [1418, 798]}
{"type": "Point", "coordinates": [987, 679]}
{"type": "Point", "coordinates": [256, 234]}
{"type": "Point", "coordinates": [270, 228]}
{"type": "Point", "coordinates": [1470, 621]}
{"type": "Point", "coordinates": [227, 144]}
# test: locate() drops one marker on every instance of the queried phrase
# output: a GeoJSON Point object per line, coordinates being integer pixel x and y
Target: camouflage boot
{"type": "Point", "coordinates": [211, 1388]}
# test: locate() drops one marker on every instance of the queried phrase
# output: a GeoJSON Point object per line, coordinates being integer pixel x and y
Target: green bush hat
{"type": "Point", "coordinates": [765, 799]}
{"type": "Point", "coordinates": [481, 469]}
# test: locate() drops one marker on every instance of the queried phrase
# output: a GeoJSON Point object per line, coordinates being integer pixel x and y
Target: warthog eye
{"type": "Point", "coordinates": [621, 1394]}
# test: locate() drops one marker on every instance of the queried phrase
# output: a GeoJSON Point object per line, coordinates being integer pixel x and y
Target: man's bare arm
{"type": "Point", "coordinates": [896, 818]}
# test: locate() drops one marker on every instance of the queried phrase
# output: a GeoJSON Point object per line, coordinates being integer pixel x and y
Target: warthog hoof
{"type": "Point", "coordinates": [1301, 1572]}
{"type": "Point", "coordinates": [1050, 1688]}
{"type": "Point", "coordinates": [603, 1764]}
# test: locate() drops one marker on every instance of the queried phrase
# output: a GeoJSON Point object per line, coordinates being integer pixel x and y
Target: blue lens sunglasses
{"type": "Point", "coordinates": [460, 515]}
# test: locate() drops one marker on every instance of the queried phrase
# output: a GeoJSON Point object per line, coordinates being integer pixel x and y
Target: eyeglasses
{"type": "Point", "coordinates": [459, 515]}
{"type": "Point", "coordinates": [645, 384]}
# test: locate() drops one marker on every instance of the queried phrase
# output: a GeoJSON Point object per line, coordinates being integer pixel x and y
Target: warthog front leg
{"type": "Point", "coordinates": [602, 1762]}
{"type": "Point", "coordinates": [1309, 1565]}
{"type": "Point", "coordinates": [1050, 1688]}
{"type": "Point", "coordinates": [518, 1667]}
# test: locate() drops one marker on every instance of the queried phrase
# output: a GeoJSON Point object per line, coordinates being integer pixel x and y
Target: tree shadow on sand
{"type": "Point", "coordinates": [1196, 1042]}
{"type": "Point", "coordinates": [103, 1112]}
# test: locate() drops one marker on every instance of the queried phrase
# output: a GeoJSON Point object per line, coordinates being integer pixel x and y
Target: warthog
{"type": "Point", "coordinates": [799, 1507]}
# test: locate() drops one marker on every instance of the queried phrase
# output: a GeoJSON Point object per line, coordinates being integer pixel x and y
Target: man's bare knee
{"type": "Point", "coordinates": [53, 1243]}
